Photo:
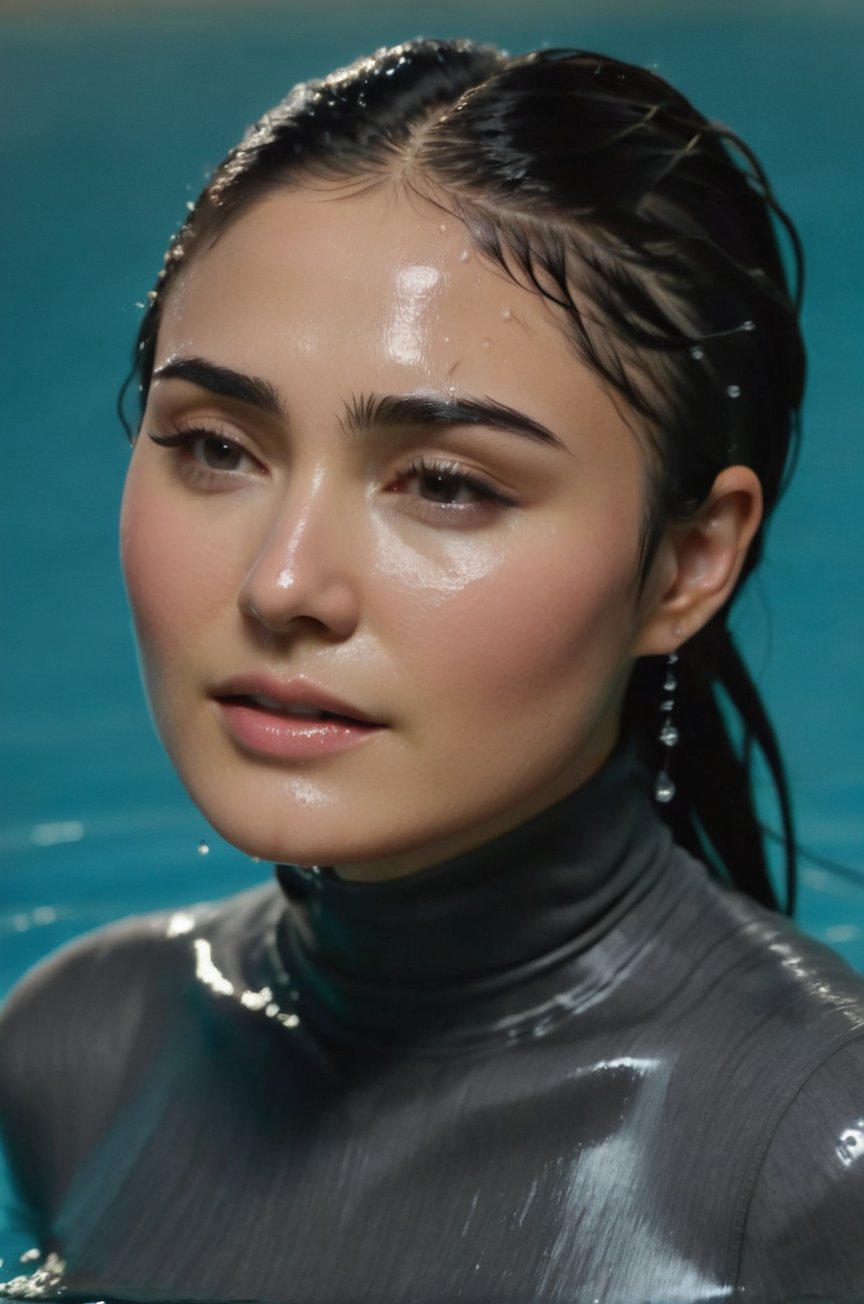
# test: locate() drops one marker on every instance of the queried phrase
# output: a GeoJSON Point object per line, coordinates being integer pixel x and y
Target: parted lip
{"type": "Point", "coordinates": [266, 691]}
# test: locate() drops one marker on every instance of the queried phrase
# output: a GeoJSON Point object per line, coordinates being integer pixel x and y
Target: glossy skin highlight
{"type": "Point", "coordinates": [471, 590]}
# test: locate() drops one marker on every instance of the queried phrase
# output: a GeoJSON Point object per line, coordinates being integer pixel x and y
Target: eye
{"type": "Point", "coordinates": [218, 454]}
{"type": "Point", "coordinates": [206, 456]}
{"type": "Point", "coordinates": [447, 484]}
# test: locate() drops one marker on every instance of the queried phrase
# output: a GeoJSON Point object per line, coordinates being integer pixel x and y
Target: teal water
{"type": "Point", "coordinates": [109, 125]}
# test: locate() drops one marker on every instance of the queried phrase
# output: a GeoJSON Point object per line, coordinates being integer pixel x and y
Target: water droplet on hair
{"type": "Point", "coordinates": [506, 314]}
{"type": "Point", "coordinates": [487, 344]}
{"type": "Point", "coordinates": [734, 391]}
{"type": "Point", "coordinates": [697, 353]}
{"type": "Point", "coordinates": [669, 735]}
{"type": "Point", "coordinates": [667, 705]}
{"type": "Point", "coordinates": [203, 848]}
{"type": "Point", "coordinates": [670, 683]}
{"type": "Point", "coordinates": [664, 788]}
{"type": "Point", "coordinates": [748, 326]}
{"type": "Point", "coordinates": [673, 656]}
{"type": "Point", "coordinates": [465, 255]}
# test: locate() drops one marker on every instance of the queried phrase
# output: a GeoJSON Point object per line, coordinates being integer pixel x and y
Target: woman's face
{"type": "Point", "coordinates": [380, 535]}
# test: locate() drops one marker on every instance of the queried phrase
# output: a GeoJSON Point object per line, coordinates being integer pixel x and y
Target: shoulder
{"type": "Point", "coordinates": [759, 967]}
{"type": "Point", "coordinates": [86, 1003]}
{"type": "Point", "coordinates": [804, 1213]}
{"type": "Point", "coordinates": [786, 1020]}
{"type": "Point", "coordinates": [767, 1025]}
{"type": "Point", "coordinates": [79, 1030]}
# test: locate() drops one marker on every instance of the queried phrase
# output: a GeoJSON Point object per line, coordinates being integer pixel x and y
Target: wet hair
{"type": "Point", "coordinates": [654, 233]}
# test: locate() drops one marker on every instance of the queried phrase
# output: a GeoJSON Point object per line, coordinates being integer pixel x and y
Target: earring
{"type": "Point", "coordinates": [664, 788]}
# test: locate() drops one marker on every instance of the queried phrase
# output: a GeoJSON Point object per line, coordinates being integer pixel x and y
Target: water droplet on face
{"type": "Point", "coordinates": [487, 344]}
{"type": "Point", "coordinates": [256, 860]}
{"type": "Point", "coordinates": [442, 227]}
{"type": "Point", "coordinates": [465, 256]}
{"type": "Point", "coordinates": [734, 391]}
{"type": "Point", "coordinates": [506, 314]}
{"type": "Point", "coordinates": [203, 848]}
{"type": "Point", "coordinates": [697, 353]}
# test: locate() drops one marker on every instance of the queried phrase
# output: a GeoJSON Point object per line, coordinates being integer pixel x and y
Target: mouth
{"type": "Point", "coordinates": [300, 711]}
{"type": "Point", "coordinates": [296, 721]}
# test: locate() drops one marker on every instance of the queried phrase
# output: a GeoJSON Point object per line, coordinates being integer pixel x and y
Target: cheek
{"type": "Point", "coordinates": [516, 623]}
{"type": "Point", "coordinates": [169, 571]}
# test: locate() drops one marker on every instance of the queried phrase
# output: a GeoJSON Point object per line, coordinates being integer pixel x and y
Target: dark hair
{"type": "Point", "coordinates": [653, 230]}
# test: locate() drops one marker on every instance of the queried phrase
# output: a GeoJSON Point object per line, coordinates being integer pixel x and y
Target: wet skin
{"type": "Point", "coordinates": [469, 590]}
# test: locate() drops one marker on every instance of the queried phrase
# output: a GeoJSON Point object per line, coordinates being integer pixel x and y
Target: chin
{"type": "Point", "coordinates": [297, 840]}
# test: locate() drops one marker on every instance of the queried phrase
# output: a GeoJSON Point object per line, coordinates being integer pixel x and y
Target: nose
{"type": "Point", "coordinates": [306, 570]}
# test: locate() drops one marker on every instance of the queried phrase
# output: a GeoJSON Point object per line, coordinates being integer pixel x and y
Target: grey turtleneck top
{"type": "Point", "coordinates": [567, 1067]}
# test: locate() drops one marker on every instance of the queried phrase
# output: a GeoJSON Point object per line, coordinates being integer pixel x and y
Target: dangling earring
{"type": "Point", "coordinates": [664, 788]}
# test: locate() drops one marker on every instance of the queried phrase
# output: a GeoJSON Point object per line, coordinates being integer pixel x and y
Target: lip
{"type": "Point", "coordinates": [256, 712]}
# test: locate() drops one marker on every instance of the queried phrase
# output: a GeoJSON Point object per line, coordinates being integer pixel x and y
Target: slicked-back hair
{"type": "Point", "coordinates": [655, 236]}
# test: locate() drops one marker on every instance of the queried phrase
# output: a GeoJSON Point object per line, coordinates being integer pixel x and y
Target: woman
{"type": "Point", "coordinates": [467, 386]}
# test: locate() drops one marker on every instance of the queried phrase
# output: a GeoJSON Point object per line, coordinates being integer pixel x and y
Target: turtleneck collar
{"type": "Point", "coordinates": [482, 924]}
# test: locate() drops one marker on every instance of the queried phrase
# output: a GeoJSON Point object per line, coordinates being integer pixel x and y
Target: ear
{"type": "Point", "coordinates": [698, 562]}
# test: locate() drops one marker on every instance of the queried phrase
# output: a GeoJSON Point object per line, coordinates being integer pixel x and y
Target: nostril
{"type": "Point", "coordinates": [247, 606]}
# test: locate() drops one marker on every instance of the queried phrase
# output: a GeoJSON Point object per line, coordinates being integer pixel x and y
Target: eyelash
{"type": "Point", "coordinates": [484, 495]}
{"type": "Point", "coordinates": [197, 472]}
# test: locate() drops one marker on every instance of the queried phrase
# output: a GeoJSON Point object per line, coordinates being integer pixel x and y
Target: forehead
{"type": "Point", "coordinates": [380, 289]}
{"type": "Point", "coordinates": [388, 246]}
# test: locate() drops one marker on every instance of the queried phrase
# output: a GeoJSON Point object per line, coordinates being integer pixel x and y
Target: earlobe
{"type": "Point", "coordinates": [698, 562]}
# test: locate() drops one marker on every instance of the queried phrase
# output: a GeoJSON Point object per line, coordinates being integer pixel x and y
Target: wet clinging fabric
{"type": "Point", "coordinates": [566, 1067]}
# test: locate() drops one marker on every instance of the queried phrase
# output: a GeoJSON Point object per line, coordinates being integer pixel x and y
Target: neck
{"type": "Point", "coordinates": [489, 921]}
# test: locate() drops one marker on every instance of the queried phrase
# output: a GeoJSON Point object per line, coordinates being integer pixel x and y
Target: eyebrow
{"type": "Point", "coordinates": [223, 381]}
{"type": "Point", "coordinates": [367, 411]}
